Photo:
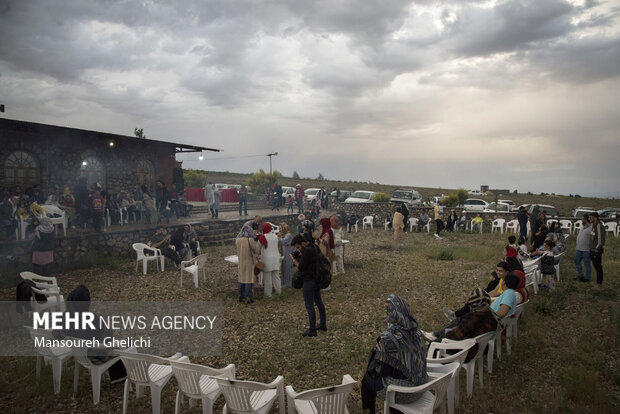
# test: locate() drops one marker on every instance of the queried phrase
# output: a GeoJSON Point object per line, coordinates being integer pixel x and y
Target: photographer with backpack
{"type": "Point", "coordinates": [307, 259]}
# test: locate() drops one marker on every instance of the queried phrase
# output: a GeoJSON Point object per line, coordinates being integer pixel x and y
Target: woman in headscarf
{"type": "Point", "coordinates": [284, 240]}
{"type": "Point", "coordinates": [398, 223]}
{"type": "Point", "coordinates": [399, 357]}
{"type": "Point", "coordinates": [512, 259]}
{"type": "Point", "coordinates": [338, 264]}
{"type": "Point", "coordinates": [43, 246]}
{"type": "Point", "coordinates": [246, 252]}
{"type": "Point", "coordinates": [326, 239]}
{"type": "Point", "coordinates": [270, 256]}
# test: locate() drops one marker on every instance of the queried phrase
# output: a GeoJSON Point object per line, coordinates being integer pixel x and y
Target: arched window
{"type": "Point", "coordinates": [146, 173]}
{"type": "Point", "coordinates": [21, 168]}
{"type": "Point", "coordinates": [94, 170]}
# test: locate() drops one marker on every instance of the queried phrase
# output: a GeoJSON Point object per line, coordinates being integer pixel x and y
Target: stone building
{"type": "Point", "coordinates": [56, 157]}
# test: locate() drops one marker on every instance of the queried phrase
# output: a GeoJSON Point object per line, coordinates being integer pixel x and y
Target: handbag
{"type": "Point", "coordinates": [298, 280]}
{"type": "Point", "coordinates": [258, 267]}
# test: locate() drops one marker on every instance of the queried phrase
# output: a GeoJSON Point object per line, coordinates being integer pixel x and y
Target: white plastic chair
{"type": "Point", "coordinates": [96, 371]}
{"type": "Point", "coordinates": [193, 267]}
{"type": "Point", "coordinates": [437, 355]}
{"type": "Point", "coordinates": [470, 366]}
{"type": "Point", "coordinates": [386, 224]}
{"type": "Point", "coordinates": [20, 231]}
{"type": "Point", "coordinates": [567, 224]}
{"type": "Point", "coordinates": [512, 225]}
{"type": "Point", "coordinates": [368, 220]}
{"type": "Point", "coordinates": [550, 221]}
{"type": "Point", "coordinates": [611, 226]}
{"type": "Point", "coordinates": [577, 226]}
{"type": "Point", "coordinates": [433, 393]}
{"type": "Point", "coordinates": [250, 396]}
{"type": "Point", "coordinates": [557, 266]}
{"type": "Point", "coordinates": [54, 355]}
{"type": "Point", "coordinates": [189, 254]}
{"type": "Point", "coordinates": [144, 370]}
{"type": "Point", "coordinates": [327, 400]}
{"type": "Point", "coordinates": [532, 273]}
{"type": "Point", "coordinates": [509, 323]}
{"type": "Point", "coordinates": [197, 382]}
{"type": "Point", "coordinates": [157, 257]}
{"type": "Point", "coordinates": [47, 286]}
{"type": "Point", "coordinates": [498, 224]}
{"type": "Point", "coordinates": [62, 220]}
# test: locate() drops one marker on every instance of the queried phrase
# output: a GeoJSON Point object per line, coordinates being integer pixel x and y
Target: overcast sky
{"type": "Point", "coordinates": [513, 94]}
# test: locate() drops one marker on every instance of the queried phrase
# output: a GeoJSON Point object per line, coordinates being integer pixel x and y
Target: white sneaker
{"type": "Point", "coordinates": [428, 335]}
{"type": "Point", "coordinates": [436, 235]}
{"type": "Point", "coordinates": [449, 314]}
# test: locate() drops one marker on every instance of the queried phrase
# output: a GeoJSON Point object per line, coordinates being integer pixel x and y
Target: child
{"type": "Point", "coordinates": [289, 202]}
{"type": "Point", "coordinates": [512, 239]}
{"type": "Point", "coordinates": [492, 282]}
{"type": "Point", "coordinates": [97, 207]}
{"type": "Point", "coordinates": [547, 264]}
{"type": "Point", "coordinates": [523, 253]}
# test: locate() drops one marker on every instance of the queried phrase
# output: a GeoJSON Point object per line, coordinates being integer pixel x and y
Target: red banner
{"type": "Point", "coordinates": [198, 194]}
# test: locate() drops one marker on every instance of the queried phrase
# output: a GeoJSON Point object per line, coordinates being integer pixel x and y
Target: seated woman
{"type": "Point", "coordinates": [399, 357]}
{"type": "Point", "coordinates": [482, 319]}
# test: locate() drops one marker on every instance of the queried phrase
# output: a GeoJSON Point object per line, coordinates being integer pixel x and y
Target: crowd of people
{"type": "Point", "coordinates": [87, 205]}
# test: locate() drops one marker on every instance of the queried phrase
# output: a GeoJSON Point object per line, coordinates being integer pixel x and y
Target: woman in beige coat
{"type": "Point", "coordinates": [398, 224]}
{"type": "Point", "coordinates": [246, 252]}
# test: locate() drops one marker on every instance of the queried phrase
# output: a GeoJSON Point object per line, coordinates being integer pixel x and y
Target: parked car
{"type": "Point", "coordinates": [509, 202]}
{"type": "Point", "coordinates": [360, 197]}
{"type": "Point", "coordinates": [580, 211]}
{"type": "Point", "coordinates": [288, 190]}
{"type": "Point", "coordinates": [409, 197]}
{"type": "Point", "coordinates": [474, 204]}
{"type": "Point", "coordinates": [505, 207]}
{"type": "Point", "coordinates": [311, 193]}
{"type": "Point", "coordinates": [609, 212]}
{"type": "Point", "coordinates": [476, 193]}
{"type": "Point", "coordinates": [551, 211]}
{"type": "Point", "coordinates": [344, 194]}
{"type": "Point", "coordinates": [235, 186]}
{"type": "Point", "coordinates": [434, 200]}
{"type": "Point", "coordinates": [221, 186]}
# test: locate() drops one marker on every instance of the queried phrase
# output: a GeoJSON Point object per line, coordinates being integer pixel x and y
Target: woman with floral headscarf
{"type": "Point", "coordinates": [43, 246]}
{"type": "Point", "coordinates": [399, 357]}
{"type": "Point", "coordinates": [246, 252]}
{"type": "Point", "coordinates": [270, 256]}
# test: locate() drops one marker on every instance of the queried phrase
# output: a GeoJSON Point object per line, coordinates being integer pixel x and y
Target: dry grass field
{"type": "Point", "coordinates": [565, 359]}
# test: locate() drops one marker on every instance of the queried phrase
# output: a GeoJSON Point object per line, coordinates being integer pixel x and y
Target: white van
{"type": "Point", "coordinates": [409, 197]}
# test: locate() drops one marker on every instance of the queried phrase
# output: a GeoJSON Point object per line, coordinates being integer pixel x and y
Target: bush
{"type": "Point", "coordinates": [381, 198]}
{"type": "Point", "coordinates": [194, 178]}
{"type": "Point", "coordinates": [462, 195]}
{"type": "Point", "coordinates": [259, 181]}
{"type": "Point", "coordinates": [450, 201]}
{"type": "Point", "coordinates": [445, 255]}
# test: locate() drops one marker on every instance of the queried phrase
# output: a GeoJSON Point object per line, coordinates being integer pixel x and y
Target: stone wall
{"type": "Point", "coordinates": [60, 151]}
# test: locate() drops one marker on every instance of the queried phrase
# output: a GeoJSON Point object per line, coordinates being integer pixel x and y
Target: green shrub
{"type": "Point", "coordinates": [445, 254]}
{"type": "Point", "coordinates": [450, 201]}
{"type": "Point", "coordinates": [381, 198]}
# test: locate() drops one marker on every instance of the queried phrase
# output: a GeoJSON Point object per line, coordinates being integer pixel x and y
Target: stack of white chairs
{"type": "Point", "coordinates": [48, 287]}
{"type": "Point", "coordinates": [532, 274]}
{"type": "Point", "coordinates": [328, 400]}
{"type": "Point", "coordinates": [437, 355]}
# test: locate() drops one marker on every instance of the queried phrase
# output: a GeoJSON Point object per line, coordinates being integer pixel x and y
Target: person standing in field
{"type": "Point", "coordinates": [596, 249]}
{"type": "Point", "coordinates": [582, 250]}
{"type": "Point", "coordinates": [398, 223]}
{"type": "Point", "coordinates": [299, 198]}
{"type": "Point", "coordinates": [210, 197]}
{"type": "Point", "coordinates": [438, 220]}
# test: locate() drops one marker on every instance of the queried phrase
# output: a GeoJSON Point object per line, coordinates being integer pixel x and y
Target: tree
{"type": "Point", "coordinates": [381, 198]}
{"type": "Point", "coordinates": [194, 178]}
{"type": "Point", "coordinates": [462, 195]}
{"type": "Point", "coordinates": [295, 175]}
{"type": "Point", "coordinates": [450, 201]}
{"type": "Point", "coordinates": [139, 133]}
{"type": "Point", "coordinates": [260, 181]}
{"type": "Point", "coordinates": [320, 177]}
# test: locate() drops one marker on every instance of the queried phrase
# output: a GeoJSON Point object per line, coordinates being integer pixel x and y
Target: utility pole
{"type": "Point", "coordinates": [271, 155]}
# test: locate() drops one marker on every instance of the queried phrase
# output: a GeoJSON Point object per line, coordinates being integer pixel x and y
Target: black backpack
{"type": "Point", "coordinates": [323, 271]}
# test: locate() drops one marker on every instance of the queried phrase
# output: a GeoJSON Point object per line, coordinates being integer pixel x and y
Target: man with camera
{"type": "Point", "coordinates": [305, 258]}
